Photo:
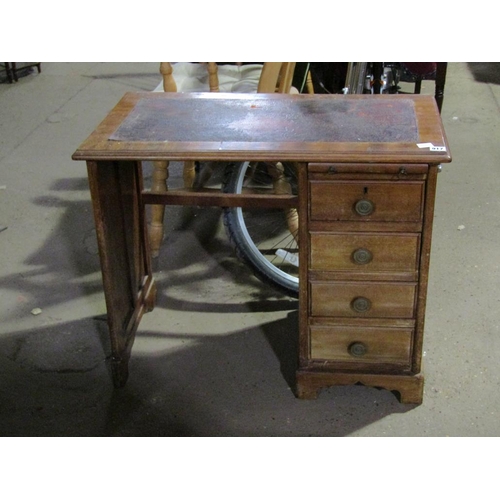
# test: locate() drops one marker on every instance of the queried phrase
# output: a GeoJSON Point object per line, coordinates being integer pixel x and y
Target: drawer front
{"type": "Point", "coordinates": [366, 201]}
{"type": "Point", "coordinates": [362, 345]}
{"type": "Point", "coordinates": [363, 300]}
{"type": "Point", "coordinates": [392, 171]}
{"type": "Point", "coordinates": [371, 252]}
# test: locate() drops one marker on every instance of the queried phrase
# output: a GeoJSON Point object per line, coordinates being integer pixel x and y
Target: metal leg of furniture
{"type": "Point", "coordinates": [129, 287]}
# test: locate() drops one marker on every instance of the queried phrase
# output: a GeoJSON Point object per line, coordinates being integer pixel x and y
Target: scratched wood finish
{"type": "Point", "coordinates": [391, 343]}
{"type": "Point", "coordinates": [129, 287]}
{"type": "Point", "coordinates": [391, 201]}
{"type": "Point", "coordinates": [365, 320]}
{"type": "Point", "coordinates": [383, 171]}
{"type": "Point", "coordinates": [285, 147]}
{"type": "Point", "coordinates": [380, 300]}
{"type": "Point", "coordinates": [383, 345]}
{"type": "Point", "coordinates": [390, 252]}
{"type": "Point", "coordinates": [215, 198]}
{"type": "Point", "coordinates": [425, 254]}
{"type": "Point", "coordinates": [408, 389]}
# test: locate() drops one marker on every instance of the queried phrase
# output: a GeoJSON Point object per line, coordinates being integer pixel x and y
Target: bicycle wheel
{"type": "Point", "coordinates": [265, 239]}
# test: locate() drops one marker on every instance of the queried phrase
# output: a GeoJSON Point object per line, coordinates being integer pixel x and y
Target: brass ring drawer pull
{"type": "Point", "coordinates": [357, 349]}
{"type": "Point", "coordinates": [361, 304]}
{"type": "Point", "coordinates": [364, 207]}
{"type": "Point", "coordinates": [362, 256]}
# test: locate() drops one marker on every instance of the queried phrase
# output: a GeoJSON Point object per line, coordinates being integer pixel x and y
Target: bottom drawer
{"type": "Point", "coordinates": [362, 345]}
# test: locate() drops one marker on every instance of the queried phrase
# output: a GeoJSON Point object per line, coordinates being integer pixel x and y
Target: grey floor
{"type": "Point", "coordinates": [216, 356]}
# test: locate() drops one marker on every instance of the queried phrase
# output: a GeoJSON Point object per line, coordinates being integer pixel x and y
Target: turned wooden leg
{"type": "Point", "coordinates": [159, 185]}
{"type": "Point", "coordinates": [213, 77]}
{"type": "Point", "coordinates": [309, 83]}
{"type": "Point", "coordinates": [292, 220]}
{"type": "Point", "coordinates": [282, 186]}
{"type": "Point", "coordinates": [166, 71]}
{"type": "Point", "coordinates": [440, 82]}
{"type": "Point", "coordinates": [189, 173]}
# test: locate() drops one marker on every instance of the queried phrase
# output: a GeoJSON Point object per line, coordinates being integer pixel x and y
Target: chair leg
{"type": "Point", "coordinates": [8, 72]}
{"type": "Point", "coordinates": [440, 81]}
{"type": "Point", "coordinates": [418, 86]}
{"type": "Point", "coordinates": [282, 186]}
{"type": "Point", "coordinates": [309, 83]}
{"type": "Point", "coordinates": [378, 70]}
{"type": "Point", "coordinates": [159, 185]}
{"type": "Point", "coordinates": [14, 72]}
{"type": "Point", "coordinates": [207, 168]}
{"type": "Point", "coordinates": [189, 173]}
{"type": "Point", "coordinates": [166, 71]}
{"type": "Point", "coordinates": [213, 77]}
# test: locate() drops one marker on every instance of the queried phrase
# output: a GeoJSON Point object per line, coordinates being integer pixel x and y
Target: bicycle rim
{"type": "Point", "coordinates": [262, 237]}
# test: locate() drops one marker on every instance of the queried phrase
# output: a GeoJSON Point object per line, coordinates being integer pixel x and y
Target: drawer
{"type": "Point", "coordinates": [366, 201]}
{"type": "Point", "coordinates": [390, 171]}
{"type": "Point", "coordinates": [363, 300]}
{"type": "Point", "coordinates": [362, 345]}
{"type": "Point", "coordinates": [370, 252]}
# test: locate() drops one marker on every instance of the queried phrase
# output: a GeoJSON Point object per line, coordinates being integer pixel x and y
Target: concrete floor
{"type": "Point", "coordinates": [216, 356]}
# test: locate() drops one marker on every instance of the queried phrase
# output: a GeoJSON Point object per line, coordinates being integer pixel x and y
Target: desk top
{"type": "Point", "coordinates": [312, 128]}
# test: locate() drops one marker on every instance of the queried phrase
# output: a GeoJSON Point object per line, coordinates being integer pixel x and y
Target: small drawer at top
{"type": "Point", "coordinates": [379, 201]}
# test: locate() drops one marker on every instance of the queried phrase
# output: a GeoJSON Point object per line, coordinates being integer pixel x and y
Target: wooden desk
{"type": "Point", "coordinates": [367, 175]}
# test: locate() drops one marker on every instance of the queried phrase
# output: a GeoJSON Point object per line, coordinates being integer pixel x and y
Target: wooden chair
{"type": "Point", "coordinates": [438, 75]}
{"type": "Point", "coordinates": [12, 69]}
{"type": "Point", "coordinates": [268, 77]}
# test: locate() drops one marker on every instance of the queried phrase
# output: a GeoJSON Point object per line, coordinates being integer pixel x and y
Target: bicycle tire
{"type": "Point", "coordinates": [261, 237]}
